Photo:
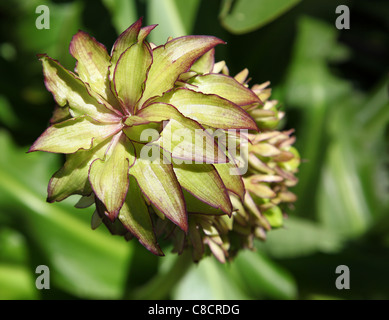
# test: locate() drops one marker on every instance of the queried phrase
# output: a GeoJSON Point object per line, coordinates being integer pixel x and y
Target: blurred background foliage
{"type": "Point", "coordinates": [333, 85]}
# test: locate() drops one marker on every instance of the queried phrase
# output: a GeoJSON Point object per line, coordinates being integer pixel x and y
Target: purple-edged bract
{"type": "Point", "coordinates": [138, 127]}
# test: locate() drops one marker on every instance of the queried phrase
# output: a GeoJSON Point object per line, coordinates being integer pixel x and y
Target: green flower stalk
{"type": "Point", "coordinates": [155, 137]}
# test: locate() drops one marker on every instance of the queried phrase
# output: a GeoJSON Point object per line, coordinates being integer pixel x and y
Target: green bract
{"type": "Point", "coordinates": [139, 128]}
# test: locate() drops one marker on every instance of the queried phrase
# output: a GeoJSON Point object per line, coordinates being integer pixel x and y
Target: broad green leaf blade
{"type": "Point", "coordinates": [109, 177]}
{"type": "Point", "coordinates": [16, 279]}
{"type": "Point", "coordinates": [136, 218]}
{"type": "Point", "coordinates": [74, 134]}
{"type": "Point", "coordinates": [69, 89]}
{"type": "Point", "coordinates": [248, 15]}
{"type": "Point", "coordinates": [53, 41]}
{"type": "Point", "coordinates": [166, 15]}
{"type": "Point", "coordinates": [208, 281]}
{"type": "Point", "coordinates": [341, 191]}
{"type": "Point", "coordinates": [301, 238]}
{"type": "Point", "coordinates": [172, 59]}
{"type": "Point", "coordinates": [225, 87]}
{"type": "Point", "coordinates": [188, 11]}
{"type": "Point", "coordinates": [17, 282]}
{"type": "Point", "coordinates": [340, 202]}
{"type": "Point", "coordinates": [261, 277]}
{"type": "Point", "coordinates": [203, 181]}
{"type": "Point", "coordinates": [175, 18]}
{"type": "Point", "coordinates": [126, 39]}
{"type": "Point", "coordinates": [159, 184]}
{"type": "Point", "coordinates": [131, 73]}
{"type": "Point", "coordinates": [93, 63]}
{"type": "Point", "coordinates": [72, 178]}
{"type": "Point", "coordinates": [209, 109]}
{"type": "Point", "coordinates": [78, 257]}
{"type": "Point", "coordinates": [122, 12]}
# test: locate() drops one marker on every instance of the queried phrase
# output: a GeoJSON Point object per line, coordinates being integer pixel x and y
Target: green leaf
{"type": "Point", "coordinates": [314, 90]}
{"type": "Point", "coordinates": [131, 73]}
{"type": "Point", "coordinates": [179, 128]}
{"type": "Point", "coordinates": [203, 181]}
{"type": "Point", "coordinates": [194, 205]}
{"type": "Point", "coordinates": [232, 180]}
{"type": "Point", "coordinates": [74, 134]}
{"type": "Point", "coordinates": [186, 143]}
{"type": "Point", "coordinates": [247, 15]}
{"type": "Point", "coordinates": [225, 87]}
{"type": "Point", "coordinates": [72, 178]}
{"type": "Point", "coordinates": [122, 12]}
{"type": "Point", "coordinates": [174, 17]}
{"type": "Point", "coordinates": [78, 257]}
{"type": "Point", "coordinates": [343, 207]}
{"type": "Point", "coordinates": [205, 63]}
{"type": "Point", "coordinates": [139, 131]}
{"type": "Point", "coordinates": [109, 177]}
{"type": "Point", "coordinates": [53, 41]}
{"type": "Point", "coordinates": [188, 11]}
{"type": "Point", "coordinates": [262, 278]}
{"type": "Point", "coordinates": [69, 89]}
{"type": "Point", "coordinates": [16, 283]}
{"type": "Point", "coordinates": [300, 238]}
{"type": "Point", "coordinates": [209, 109]}
{"type": "Point", "coordinates": [166, 15]}
{"type": "Point", "coordinates": [16, 276]}
{"type": "Point", "coordinates": [173, 59]}
{"type": "Point", "coordinates": [208, 281]}
{"type": "Point", "coordinates": [159, 184]}
{"type": "Point", "coordinates": [126, 39]}
{"type": "Point", "coordinates": [135, 217]}
{"type": "Point", "coordinates": [261, 190]}
{"type": "Point", "coordinates": [93, 64]}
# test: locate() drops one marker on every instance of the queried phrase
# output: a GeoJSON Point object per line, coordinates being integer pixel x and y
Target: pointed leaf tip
{"type": "Point", "coordinates": [93, 63]}
{"type": "Point", "coordinates": [72, 135]}
{"type": "Point", "coordinates": [125, 40]}
{"type": "Point", "coordinates": [225, 87]}
{"type": "Point", "coordinates": [160, 186]}
{"type": "Point", "coordinates": [203, 182]}
{"type": "Point", "coordinates": [136, 218]}
{"type": "Point", "coordinates": [173, 59]}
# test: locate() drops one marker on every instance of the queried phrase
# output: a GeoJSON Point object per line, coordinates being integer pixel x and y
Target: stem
{"type": "Point", "coordinates": [160, 286]}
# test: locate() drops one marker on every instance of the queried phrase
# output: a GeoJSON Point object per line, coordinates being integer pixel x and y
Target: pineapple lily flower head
{"type": "Point", "coordinates": [116, 109]}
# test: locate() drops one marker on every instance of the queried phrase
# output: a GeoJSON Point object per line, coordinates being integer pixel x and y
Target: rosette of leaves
{"type": "Point", "coordinates": [117, 108]}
